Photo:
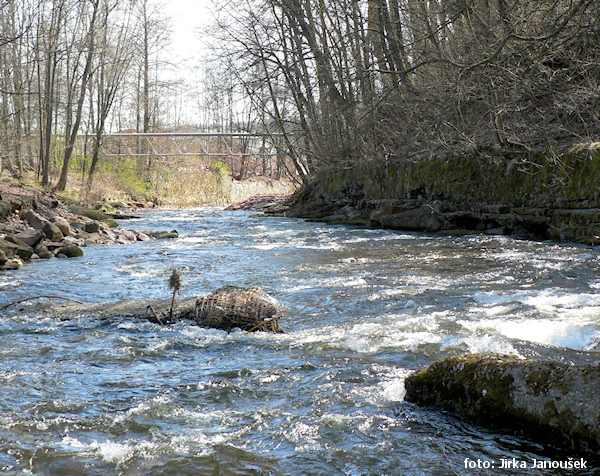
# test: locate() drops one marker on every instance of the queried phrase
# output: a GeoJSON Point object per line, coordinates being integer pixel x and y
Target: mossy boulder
{"type": "Point", "coordinates": [13, 264]}
{"type": "Point", "coordinates": [544, 400]}
{"type": "Point", "coordinates": [110, 223]}
{"type": "Point", "coordinates": [9, 248]}
{"type": "Point", "coordinates": [89, 212]}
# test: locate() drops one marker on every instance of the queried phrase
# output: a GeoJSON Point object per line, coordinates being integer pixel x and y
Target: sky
{"type": "Point", "coordinates": [188, 18]}
{"type": "Point", "coordinates": [186, 50]}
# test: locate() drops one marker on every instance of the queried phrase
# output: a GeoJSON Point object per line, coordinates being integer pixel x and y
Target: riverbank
{"type": "Point", "coordinates": [36, 224]}
{"type": "Point", "coordinates": [537, 197]}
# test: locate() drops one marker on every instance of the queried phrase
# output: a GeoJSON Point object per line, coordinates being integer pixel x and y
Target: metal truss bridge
{"type": "Point", "coordinates": [192, 144]}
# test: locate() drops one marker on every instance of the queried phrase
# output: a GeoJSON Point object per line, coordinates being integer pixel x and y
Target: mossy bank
{"type": "Point", "coordinates": [547, 196]}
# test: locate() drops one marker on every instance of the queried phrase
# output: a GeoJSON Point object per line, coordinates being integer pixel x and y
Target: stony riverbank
{"type": "Point", "coordinates": [37, 225]}
{"type": "Point", "coordinates": [536, 197]}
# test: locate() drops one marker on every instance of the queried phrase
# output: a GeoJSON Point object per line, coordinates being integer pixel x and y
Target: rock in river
{"type": "Point", "coordinates": [545, 400]}
{"type": "Point", "coordinates": [162, 235]}
{"type": "Point", "coordinates": [70, 251]}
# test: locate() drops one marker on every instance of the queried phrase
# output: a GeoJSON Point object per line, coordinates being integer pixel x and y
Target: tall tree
{"type": "Point", "coordinates": [113, 59]}
{"type": "Point", "coordinates": [80, 82]}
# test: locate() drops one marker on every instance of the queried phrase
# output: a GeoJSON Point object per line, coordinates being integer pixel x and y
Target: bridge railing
{"type": "Point", "coordinates": [182, 144]}
{"type": "Point", "coordinates": [246, 153]}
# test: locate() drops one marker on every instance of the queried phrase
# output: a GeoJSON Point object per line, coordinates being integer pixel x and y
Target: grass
{"type": "Point", "coordinates": [168, 182]}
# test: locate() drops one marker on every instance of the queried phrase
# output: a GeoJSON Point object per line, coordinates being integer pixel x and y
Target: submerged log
{"type": "Point", "coordinates": [545, 400]}
{"type": "Point", "coordinates": [227, 308]}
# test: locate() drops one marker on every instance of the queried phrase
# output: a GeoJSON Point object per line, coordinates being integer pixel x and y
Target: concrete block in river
{"type": "Point", "coordinates": [544, 400]}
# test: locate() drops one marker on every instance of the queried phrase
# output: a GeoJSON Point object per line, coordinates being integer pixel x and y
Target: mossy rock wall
{"type": "Point", "coordinates": [571, 180]}
{"type": "Point", "coordinates": [556, 198]}
{"type": "Point", "coordinates": [545, 400]}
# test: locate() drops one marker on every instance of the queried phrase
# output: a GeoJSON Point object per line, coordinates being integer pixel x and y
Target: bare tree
{"type": "Point", "coordinates": [374, 79]}
{"type": "Point", "coordinates": [77, 83]}
{"type": "Point", "coordinates": [112, 62]}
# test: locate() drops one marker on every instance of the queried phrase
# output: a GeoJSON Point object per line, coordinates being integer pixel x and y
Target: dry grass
{"type": "Point", "coordinates": [188, 185]}
{"type": "Point", "coordinates": [170, 183]}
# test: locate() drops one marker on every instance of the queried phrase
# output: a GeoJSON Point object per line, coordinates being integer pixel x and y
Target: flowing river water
{"type": "Point", "coordinates": [365, 308]}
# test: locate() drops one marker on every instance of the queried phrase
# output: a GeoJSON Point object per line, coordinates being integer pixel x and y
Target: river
{"type": "Point", "coordinates": [365, 308]}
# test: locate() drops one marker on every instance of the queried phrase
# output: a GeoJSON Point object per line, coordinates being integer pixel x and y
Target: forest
{"type": "Point", "coordinates": [385, 79]}
{"type": "Point", "coordinates": [344, 82]}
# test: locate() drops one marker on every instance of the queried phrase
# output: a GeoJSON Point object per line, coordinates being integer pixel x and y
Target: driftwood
{"type": "Point", "coordinates": [44, 296]}
{"type": "Point", "coordinates": [227, 308]}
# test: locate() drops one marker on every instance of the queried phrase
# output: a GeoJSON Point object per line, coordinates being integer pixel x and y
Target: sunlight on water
{"type": "Point", "coordinates": [364, 309]}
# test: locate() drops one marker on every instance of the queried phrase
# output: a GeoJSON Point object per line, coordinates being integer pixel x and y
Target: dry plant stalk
{"type": "Point", "coordinates": [175, 285]}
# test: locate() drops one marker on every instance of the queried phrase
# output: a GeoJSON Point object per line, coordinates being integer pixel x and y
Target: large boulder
{"type": "Point", "coordinates": [62, 224]}
{"type": "Point", "coordinates": [22, 250]}
{"type": "Point", "coordinates": [70, 251]}
{"type": "Point", "coordinates": [3, 258]}
{"type": "Point", "coordinates": [42, 252]}
{"type": "Point", "coordinates": [13, 263]}
{"type": "Point", "coordinates": [128, 235]}
{"type": "Point", "coordinates": [545, 400]}
{"type": "Point", "coordinates": [52, 232]}
{"type": "Point", "coordinates": [91, 227]}
{"type": "Point", "coordinates": [31, 237]}
{"type": "Point", "coordinates": [9, 248]}
{"type": "Point", "coordinates": [34, 220]}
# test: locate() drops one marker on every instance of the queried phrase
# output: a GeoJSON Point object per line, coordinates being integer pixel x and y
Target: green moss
{"type": "Point", "coordinates": [536, 181]}
{"type": "Point", "coordinates": [532, 397]}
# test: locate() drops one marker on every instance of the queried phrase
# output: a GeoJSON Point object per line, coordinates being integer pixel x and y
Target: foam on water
{"type": "Point", "coordinates": [110, 451]}
{"type": "Point", "coordinates": [365, 307]}
{"type": "Point", "coordinates": [575, 334]}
